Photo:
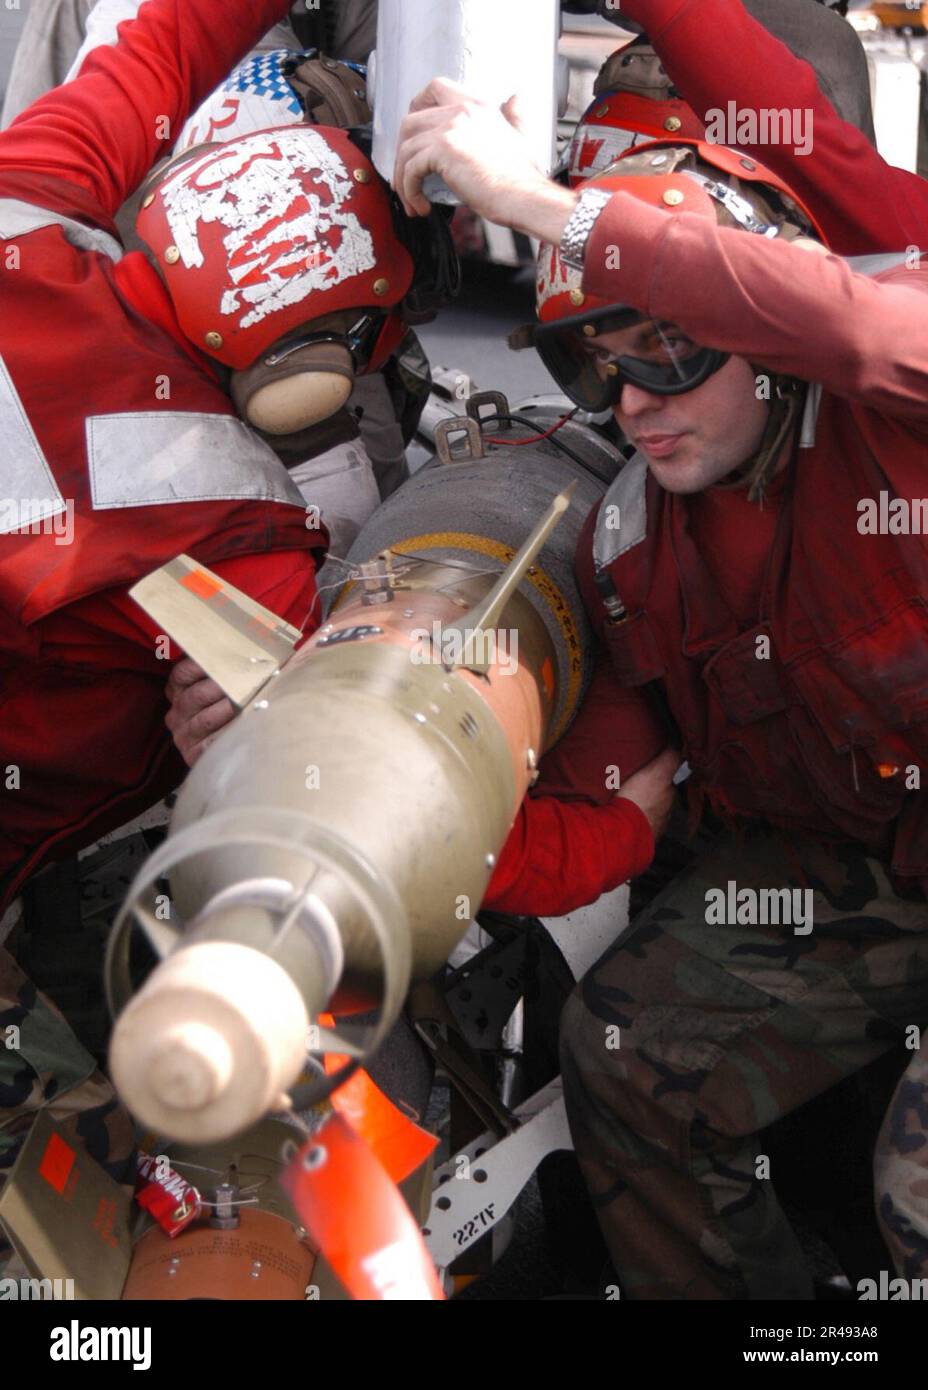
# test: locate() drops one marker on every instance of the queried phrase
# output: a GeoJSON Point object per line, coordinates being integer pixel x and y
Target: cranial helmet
{"type": "Point", "coordinates": [280, 253]}
{"type": "Point", "coordinates": [690, 177]}
{"type": "Point", "coordinates": [635, 101]}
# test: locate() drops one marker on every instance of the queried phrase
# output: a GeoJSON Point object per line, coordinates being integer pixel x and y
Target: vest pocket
{"type": "Point", "coordinates": [633, 650]}
{"type": "Point", "coordinates": [744, 678]}
{"type": "Point", "coordinates": [871, 691]}
{"type": "Point", "coordinates": [737, 780]}
{"type": "Point", "coordinates": [848, 780]}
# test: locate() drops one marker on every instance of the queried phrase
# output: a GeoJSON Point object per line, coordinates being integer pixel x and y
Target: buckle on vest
{"type": "Point", "coordinates": [616, 612]}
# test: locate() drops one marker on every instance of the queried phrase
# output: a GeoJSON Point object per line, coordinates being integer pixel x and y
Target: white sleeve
{"type": "Point", "coordinates": [102, 23]}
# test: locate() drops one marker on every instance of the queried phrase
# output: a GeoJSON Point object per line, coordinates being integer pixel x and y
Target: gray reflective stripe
{"type": "Point", "coordinates": [874, 265]}
{"type": "Point", "coordinates": [17, 219]}
{"type": "Point", "coordinates": [810, 416]}
{"type": "Point", "coordinates": [861, 265]}
{"type": "Point", "coordinates": [29, 491]}
{"type": "Point", "coordinates": [628, 493]}
{"type": "Point", "coordinates": [140, 459]}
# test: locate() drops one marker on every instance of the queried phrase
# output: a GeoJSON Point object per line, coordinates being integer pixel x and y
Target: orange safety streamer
{"type": "Point", "coordinates": [357, 1218]}
{"type": "Point", "coordinates": [397, 1141]}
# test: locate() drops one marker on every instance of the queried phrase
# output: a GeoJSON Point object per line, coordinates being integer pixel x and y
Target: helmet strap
{"type": "Point", "coordinates": [782, 424]}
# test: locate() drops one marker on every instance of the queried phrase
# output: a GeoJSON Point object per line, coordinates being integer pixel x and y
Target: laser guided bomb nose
{"type": "Point", "coordinates": [219, 1032]}
{"type": "Point", "coordinates": [338, 837]}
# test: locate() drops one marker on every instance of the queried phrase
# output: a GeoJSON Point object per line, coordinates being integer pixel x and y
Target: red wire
{"type": "Point", "coordinates": [534, 438]}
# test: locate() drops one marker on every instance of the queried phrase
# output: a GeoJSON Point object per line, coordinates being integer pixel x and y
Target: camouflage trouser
{"type": "Point", "coordinates": [58, 933]}
{"type": "Point", "coordinates": [687, 1038]}
{"type": "Point", "coordinates": [44, 1066]}
{"type": "Point", "coordinates": [901, 1171]}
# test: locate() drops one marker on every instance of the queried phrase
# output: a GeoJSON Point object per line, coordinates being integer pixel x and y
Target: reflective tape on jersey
{"type": "Point", "coordinates": [159, 457]}
{"type": "Point", "coordinates": [28, 491]}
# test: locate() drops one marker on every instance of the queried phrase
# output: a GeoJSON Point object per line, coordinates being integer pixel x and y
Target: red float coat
{"type": "Point", "coordinates": [120, 446]}
{"type": "Point", "coordinates": [828, 734]}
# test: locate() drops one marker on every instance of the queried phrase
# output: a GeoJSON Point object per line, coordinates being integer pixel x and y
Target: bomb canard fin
{"type": "Point", "coordinates": [238, 643]}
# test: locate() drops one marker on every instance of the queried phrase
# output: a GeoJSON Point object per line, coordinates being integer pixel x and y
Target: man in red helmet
{"type": "Point", "coordinates": [757, 573]}
{"type": "Point", "coordinates": [135, 405]}
{"type": "Point", "coordinates": [277, 278]}
{"type": "Point", "coordinates": [634, 101]}
{"type": "Point", "coordinates": [754, 51]}
{"type": "Point", "coordinates": [767, 55]}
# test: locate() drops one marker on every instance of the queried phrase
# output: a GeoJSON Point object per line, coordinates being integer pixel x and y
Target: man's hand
{"type": "Point", "coordinates": [651, 789]}
{"type": "Point", "coordinates": [482, 156]}
{"type": "Point", "coordinates": [198, 710]}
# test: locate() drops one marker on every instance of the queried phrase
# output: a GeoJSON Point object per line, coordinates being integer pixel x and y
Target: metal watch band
{"type": "Point", "coordinates": [580, 225]}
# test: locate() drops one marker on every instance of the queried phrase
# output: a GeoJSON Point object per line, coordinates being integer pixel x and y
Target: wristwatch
{"type": "Point", "coordinates": [580, 224]}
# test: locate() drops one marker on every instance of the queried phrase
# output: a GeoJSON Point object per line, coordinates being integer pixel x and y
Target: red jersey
{"type": "Point", "coordinates": [121, 447]}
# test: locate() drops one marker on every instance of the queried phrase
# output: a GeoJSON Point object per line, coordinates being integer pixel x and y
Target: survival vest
{"type": "Point", "coordinates": [823, 725]}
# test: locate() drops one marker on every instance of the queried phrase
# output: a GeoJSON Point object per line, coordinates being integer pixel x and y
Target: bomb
{"type": "Point", "coordinates": [338, 837]}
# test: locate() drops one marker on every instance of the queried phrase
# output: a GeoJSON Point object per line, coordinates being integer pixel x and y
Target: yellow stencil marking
{"type": "Point", "coordinates": [553, 598]}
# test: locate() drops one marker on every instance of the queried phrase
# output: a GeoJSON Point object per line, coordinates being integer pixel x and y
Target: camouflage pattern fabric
{"type": "Point", "coordinates": [44, 1066]}
{"type": "Point", "coordinates": [689, 1037]}
{"type": "Point", "coordinates": [64, 919]}
{"type": "Point", "coordinates": [901, 1171]}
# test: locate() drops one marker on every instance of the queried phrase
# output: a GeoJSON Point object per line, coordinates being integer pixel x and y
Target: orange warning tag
{"type": "Point", "coordinates": [202, 584]}
{"type": "Point", "coordinates": [57, 1162]}
{"type": "Point", "coordinates": [395, 1139]}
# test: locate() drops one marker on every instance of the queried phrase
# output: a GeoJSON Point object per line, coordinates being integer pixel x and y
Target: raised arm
{"type": "Point", "coordinates": [794, 311]}
{"type": "Point", "coordinates": [716, 52]}
{"type": "Point", "coordinates": [105, 130]}
{"type": "Point", "coordinates": [787, 309]}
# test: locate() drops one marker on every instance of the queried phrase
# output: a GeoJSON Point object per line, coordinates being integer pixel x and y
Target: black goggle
{"type": "Point", "coordinates": [360, 340]}
{"type": "Point", "coordinates": [666, 362]}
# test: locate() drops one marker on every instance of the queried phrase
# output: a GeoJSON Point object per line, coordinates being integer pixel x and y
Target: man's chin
{"type": "Point", "coordinates": [680, 475]}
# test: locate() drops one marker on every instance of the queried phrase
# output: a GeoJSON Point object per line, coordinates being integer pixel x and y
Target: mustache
{"type": "Point", "coordinates": [654, 431]}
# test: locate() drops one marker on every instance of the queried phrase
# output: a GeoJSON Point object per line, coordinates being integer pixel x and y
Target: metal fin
{"type": "Point", "coordinates": [238, 643]}
{"type": "Point", "coordinates": [162, 936]}
{"type": "Point", "coordinates": [486, 614]}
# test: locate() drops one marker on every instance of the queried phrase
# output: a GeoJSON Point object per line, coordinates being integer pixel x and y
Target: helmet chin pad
{"type": "Point", "coordinates": [305, 387]}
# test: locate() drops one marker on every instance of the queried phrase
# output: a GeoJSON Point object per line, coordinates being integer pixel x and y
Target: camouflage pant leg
{"type": "Point", "coordinates": [44, 1066]}
{"type": "Point", "coordinates": [687, 1038]}
{"type": "Point", "coordinates": [901, 1172]}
